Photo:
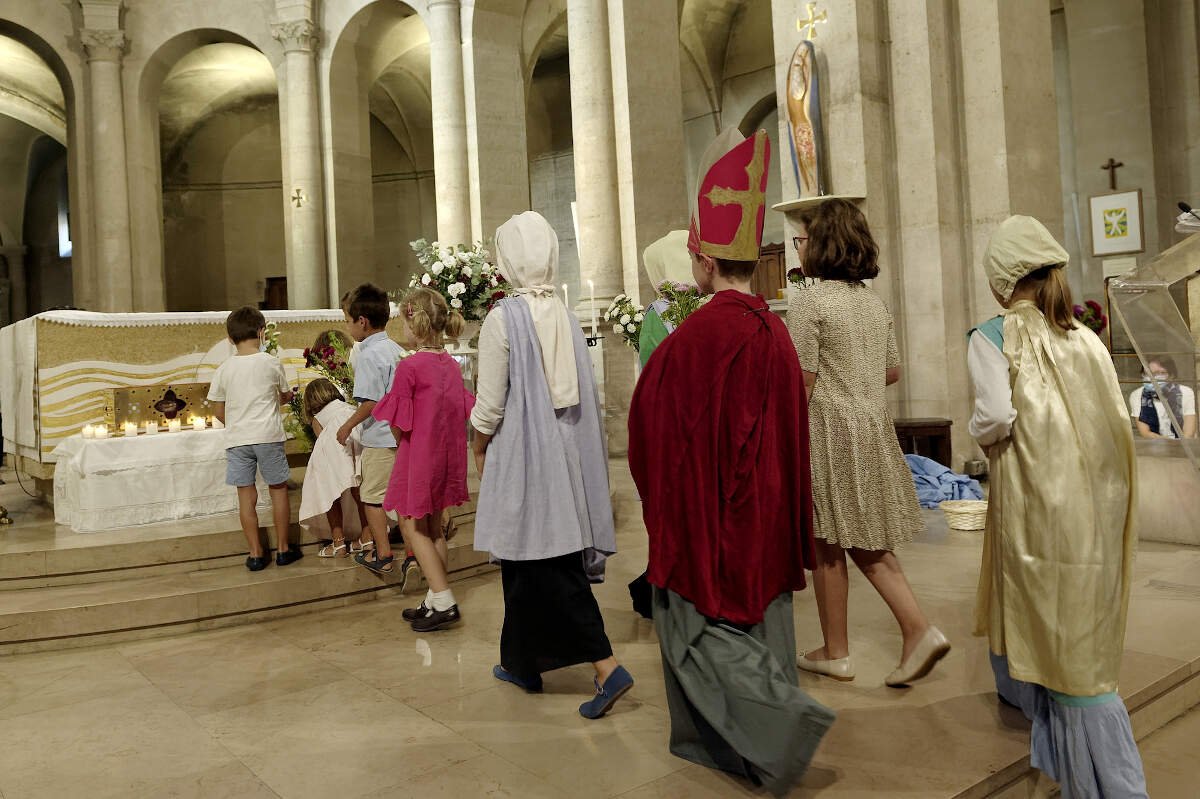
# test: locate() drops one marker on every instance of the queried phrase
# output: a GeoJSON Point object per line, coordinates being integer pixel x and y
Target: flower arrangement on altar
{"type": "Point", "coordinates": [463, 275]}
{"type": "Point", "coordinates": [271, 339]}
{"type": "Point", "coordinates": [626, 317]}
{"type": "Point", "coordinates": [1091, 315]}
{"type": "Point", "coordinates": [683, 300]}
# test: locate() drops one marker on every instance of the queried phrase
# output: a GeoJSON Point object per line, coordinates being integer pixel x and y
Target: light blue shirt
{"type": "Point", "coordinates": [374, 368]}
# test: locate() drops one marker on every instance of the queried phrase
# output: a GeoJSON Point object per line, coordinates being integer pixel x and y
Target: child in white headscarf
{"type": "Point", "coordinates": [1058, 548]}
{"type": "Point", "coordinates": [544, 511]}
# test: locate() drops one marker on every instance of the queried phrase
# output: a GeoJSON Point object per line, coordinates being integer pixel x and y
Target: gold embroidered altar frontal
{"type": "Point", "coordinates": [66, 365]}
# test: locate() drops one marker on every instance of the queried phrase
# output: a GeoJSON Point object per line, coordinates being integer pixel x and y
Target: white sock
{"type": "Point", "coordinates": [428, 600]}
{"type": "Point", "coordinates": [442, 600]}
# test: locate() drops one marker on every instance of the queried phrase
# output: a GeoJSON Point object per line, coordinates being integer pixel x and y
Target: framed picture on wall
{"type": "Point", "coordinates": [1117, 226]}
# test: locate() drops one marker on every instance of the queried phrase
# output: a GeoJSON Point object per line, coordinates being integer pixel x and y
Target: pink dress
{"type": "Point", "coordinates": [430, 405]}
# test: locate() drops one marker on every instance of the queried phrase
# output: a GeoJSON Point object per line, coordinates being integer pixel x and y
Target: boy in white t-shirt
{"type": "Point", "coordinates": [248, 390]}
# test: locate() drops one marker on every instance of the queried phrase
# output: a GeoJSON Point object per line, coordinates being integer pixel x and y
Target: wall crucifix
{"type": "Point", "coordinates": [298, 198]}
{"type": "Point", "coordinates": [1112, 167]}
{"type": "Point", "coordinates": [811, 22]}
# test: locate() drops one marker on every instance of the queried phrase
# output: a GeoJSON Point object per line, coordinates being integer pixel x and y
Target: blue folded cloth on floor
{"type": "Point", "coordinates": [936, 483]}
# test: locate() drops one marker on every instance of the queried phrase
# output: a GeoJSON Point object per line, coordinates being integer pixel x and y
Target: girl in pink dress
{"type": "Point", "coordinates": [428, 407]}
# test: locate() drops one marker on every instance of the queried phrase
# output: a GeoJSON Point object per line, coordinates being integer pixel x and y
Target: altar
{"type": "Point", "coordinates": [62, 367]}
{"type": "Point", "coordinates": [105, 484]}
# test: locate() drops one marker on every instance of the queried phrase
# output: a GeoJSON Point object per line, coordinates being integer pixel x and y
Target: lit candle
{"type": "Point", "coordinates": [101, 431]}
{"type": "Point", "coordinates": [130, 429]}
{"type": "Point", "coordinates": [88, 431]}
{"type": "Point", "coordinates": [151, 428]}
{"type": "Point", "coordinates": [198, 423]}
{"type": "Point", "coordinates": [174, 425]}
{"type": "Point", "coordinates": [592, 299]}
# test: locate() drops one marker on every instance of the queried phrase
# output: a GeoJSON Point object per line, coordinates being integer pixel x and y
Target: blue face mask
{"type": "Point", "coordinates": [1148, 388]}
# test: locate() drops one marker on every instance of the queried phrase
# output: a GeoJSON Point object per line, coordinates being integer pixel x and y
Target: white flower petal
{"type": "Point", "coordinates": [616, 328]}
{"type": "Point", "coordinates": [455, 303]}
{"type": "Point", "coordinates": [625, 318]}
{"type": "Point", "coordinates": [425, 280]}
{"type": "Point", "coordinates": [638, 317]}
{"type": "Point", "coordinates": [631, 328]}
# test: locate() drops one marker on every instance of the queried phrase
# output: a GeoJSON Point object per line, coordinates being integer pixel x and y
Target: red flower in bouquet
{"type": "Point", "coordinates": [1091, 315]}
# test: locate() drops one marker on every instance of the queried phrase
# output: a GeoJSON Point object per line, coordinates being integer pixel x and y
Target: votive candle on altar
{"type": "Point", "coordinates": [101, 431]}
{"type": "Point", "coordinates": [130, 429]}
{"type": "Point", "coordinates": [151, 428]}
{"type": "Point", "coordinates": [198, 423]}
{"type": "Point", "coordinates": [88, 431]}
{"type": "Point", "coordinates": [174, 425]}
{"type": "Point", "coordinates": [592, 300]}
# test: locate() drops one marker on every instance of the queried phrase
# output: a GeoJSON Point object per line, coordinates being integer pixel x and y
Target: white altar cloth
{"type": "Point", "coordinates": [111, 483]}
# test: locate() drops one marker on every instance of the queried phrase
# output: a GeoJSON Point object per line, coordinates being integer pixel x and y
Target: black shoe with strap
{"type": "Point", "coordinates": [412, 614]}
{"type": "Point", "coordinates": [437, 620]}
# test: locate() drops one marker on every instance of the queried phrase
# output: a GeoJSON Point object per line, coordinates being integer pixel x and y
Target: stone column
{"type": "Point", "coordinates": [652, 179]}
{"type": "Point", "coordinates": [497, 148]}
{"type": "Point", "coordinates": [451, 172]}
{"type": "Point", "coordinates": [597, 200]}
{"type": "Point", "coordinates": [308, 285]}
{"type": "Point", "coordinates": [1011, 131]}
{"type": "Point", "coordinates": [110, 189]}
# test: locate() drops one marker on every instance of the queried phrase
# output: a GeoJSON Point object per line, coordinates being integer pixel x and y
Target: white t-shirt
{"type": "Point", "coordinates": [1165, 428]}
{"type": "Point", "coordinates": [250, 386]}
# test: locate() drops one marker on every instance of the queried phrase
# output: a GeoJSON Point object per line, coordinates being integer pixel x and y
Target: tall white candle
{"type": "Point", "coordinates": [592, 299]}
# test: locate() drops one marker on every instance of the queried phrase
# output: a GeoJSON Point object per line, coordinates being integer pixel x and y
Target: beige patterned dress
{"type": "Point", "coordinates": [863, 493]}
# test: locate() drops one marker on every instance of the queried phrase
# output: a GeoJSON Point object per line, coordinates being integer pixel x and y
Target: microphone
{"type": "Point", "coordinates": [1187, 209]}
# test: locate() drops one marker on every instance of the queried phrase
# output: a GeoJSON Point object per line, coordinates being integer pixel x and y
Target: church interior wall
{"type": "Point", "coordinates": [222, 211]}
{"type": "Point", "coordinates": [49, 273]}
{"type": "Point", "coordinates": [404, 210]}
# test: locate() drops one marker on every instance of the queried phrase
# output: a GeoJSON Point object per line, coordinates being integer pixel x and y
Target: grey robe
{"type": "Point", "coordinates": [545, 489]}
{"type": "Point", "coordinates": [734, 695]}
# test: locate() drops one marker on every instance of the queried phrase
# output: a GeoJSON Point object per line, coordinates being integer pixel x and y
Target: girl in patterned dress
{"type": "Point", "coordinates": [864, 501]}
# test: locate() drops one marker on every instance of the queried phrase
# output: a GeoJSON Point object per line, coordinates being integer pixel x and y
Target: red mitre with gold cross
{"type": "Point", "coordinates": [731, 204]}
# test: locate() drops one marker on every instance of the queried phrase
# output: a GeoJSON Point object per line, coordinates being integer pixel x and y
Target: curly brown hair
{"type": "Point", "coordinates": [840, 245]}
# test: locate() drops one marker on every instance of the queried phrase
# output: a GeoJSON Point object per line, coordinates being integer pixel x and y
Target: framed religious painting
{"type": "Point", "coordinates": [1117, 227]}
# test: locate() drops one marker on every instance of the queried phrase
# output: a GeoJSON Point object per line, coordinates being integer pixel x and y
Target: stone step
{"type": "Point", "coordinates": [39, 554]}
{"type": "Point", "coordinates": [66, 616]}
{"type": "Point", "coordinates": [1150, 709]}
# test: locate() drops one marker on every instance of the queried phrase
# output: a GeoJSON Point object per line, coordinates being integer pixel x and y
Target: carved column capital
{"type": "Point", "coordinates": [103, 44]}
{"type": "Point", "coordinates": [299, 34]}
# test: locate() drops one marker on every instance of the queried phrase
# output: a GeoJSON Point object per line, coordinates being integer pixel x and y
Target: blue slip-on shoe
{"type": "Point", "coordinates": [607, 695]}
{"type": "Point", "coordinates": [532, 686]}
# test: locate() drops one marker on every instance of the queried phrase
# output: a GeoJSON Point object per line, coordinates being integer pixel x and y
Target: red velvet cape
{"type": "Point", "coordinates": [718, 447]}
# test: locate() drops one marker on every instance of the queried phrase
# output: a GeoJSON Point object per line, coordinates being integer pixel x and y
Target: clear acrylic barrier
{"type": "Point", "coordinates": [1169, 468]}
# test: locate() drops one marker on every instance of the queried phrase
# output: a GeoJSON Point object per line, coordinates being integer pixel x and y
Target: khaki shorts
{"type": "Point", "coordinates": [377, 465]}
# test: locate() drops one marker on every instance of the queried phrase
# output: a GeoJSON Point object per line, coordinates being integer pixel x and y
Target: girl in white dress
{"type": "Point", "coordinates": [330, 491]}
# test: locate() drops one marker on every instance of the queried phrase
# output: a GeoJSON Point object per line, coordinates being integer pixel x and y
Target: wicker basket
{"type": "Point", "coordinates": [965, 514]}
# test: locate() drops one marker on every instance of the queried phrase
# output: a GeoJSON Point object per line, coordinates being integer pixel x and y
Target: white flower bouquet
{"type": "Point", "coordinates": [461, 274]}
{"type": "Point", "coordinates": [626, 317]}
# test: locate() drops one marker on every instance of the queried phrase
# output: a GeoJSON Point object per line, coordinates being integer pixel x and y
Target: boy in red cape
{"type": "Point", "coordinates": [718, 447]}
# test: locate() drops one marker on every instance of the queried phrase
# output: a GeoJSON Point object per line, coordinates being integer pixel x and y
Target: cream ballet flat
{"type": "Point", "coordinates": [932, 647]}
{"type": "Point", "coordinates": [839, 669]}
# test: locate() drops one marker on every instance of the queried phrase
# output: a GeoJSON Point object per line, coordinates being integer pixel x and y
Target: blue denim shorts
{"type": "Point", "coordinates": [269, 459]}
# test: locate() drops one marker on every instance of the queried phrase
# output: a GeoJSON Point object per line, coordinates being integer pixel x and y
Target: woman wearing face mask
{"type": "Point", "coordinates": [1161, 403]}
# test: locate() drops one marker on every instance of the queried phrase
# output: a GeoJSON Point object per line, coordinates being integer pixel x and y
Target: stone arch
{"type": "Point", "coordinates": [377, 85]}
{"type": "Point", "coordinates": [44, 104]}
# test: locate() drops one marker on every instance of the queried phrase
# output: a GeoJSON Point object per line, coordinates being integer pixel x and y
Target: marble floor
{"type": "Point", "coordinates": [349, 702]}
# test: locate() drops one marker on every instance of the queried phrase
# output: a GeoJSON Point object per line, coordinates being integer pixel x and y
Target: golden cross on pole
{"type": "Point", "coordinates": [811, 22]}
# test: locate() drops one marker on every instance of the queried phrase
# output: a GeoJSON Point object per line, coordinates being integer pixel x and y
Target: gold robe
{"type": "Point", "coordinates": [1059, 545]}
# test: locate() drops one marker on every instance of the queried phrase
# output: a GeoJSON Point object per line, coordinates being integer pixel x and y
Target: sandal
{"type": "Point", "coordinates": [333, 550]}
{"type": "Point", "coordinates": [361, 546]}
{"type": "Point", "coordinates": [377, 564]}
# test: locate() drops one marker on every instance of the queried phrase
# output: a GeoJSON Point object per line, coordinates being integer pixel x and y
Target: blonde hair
{"type": "Point", "coordinates": [1051, 294]}
{"type": "Point", "coordinates": [318, 394]}
{"type": "Point", "coordinates": [429, 317]}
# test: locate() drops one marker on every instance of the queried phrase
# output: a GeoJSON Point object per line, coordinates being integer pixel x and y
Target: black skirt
{"type": "Point", "coordinates": [551, 618]}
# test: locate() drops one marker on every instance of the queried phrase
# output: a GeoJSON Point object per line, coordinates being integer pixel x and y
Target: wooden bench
{"type": "Point", "coordinates": [927, 437]}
